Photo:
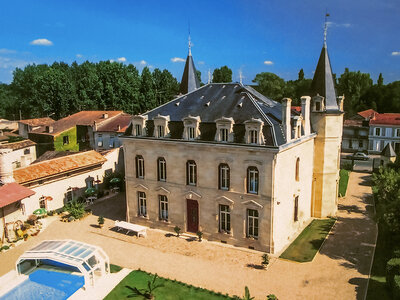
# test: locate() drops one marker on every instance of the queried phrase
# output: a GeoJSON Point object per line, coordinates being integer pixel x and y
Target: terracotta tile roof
{"type": "Point", "coordinates": [59, 165]}
{"type": "Point", "coordinates": [80, 118]}
{"type": "Point", "coordinates": [18, 145]}
{"type": "Point", "coordinates": [38, 121]}
{"type": "Point", "coordinates": [296, 108]}
{"type": "Point", "coordinates": [118, 124]}
{"type": "Point", "coordinates": [367, 113]}
{"type": "Point", "coordinates": [385, 119]}
{"type": "Point", "coordinates": [5, 134]}
{"type": "Point", "coordinates": [13, 192]}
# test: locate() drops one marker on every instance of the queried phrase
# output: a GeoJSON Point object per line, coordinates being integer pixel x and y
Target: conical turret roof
{"type": "Point", "coordinates": [189, 81]}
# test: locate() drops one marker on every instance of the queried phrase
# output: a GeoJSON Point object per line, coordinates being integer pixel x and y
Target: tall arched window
{"type": "Point", "coordinates": [223, 177]}
{"type": "Point", "coordinates": [252, 180]}
{"type": "Point", "coordinates": [297, 168]}
{"type": "Point", "coordinates": [191, 172]}
{"type": "Point", "coordinates": [139, 166]}
{"type": "Point", "coordinates": [161, 169]}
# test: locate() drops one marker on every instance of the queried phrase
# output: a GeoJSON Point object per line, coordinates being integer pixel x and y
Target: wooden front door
{"type": "Point", "coordinates": [192, 215]}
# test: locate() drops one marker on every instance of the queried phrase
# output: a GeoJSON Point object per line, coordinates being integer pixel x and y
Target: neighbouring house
{"type": "Point", "coordinates": [107, 134]}
{"type": "Point", "coordinates": [26, 126]}
{"type": "Point", "coordinates": [8, 125]}
{"type": "Point", "coordinates": [72, 133]}
{"type": "Point", "coordinates": [384, 129]}
{"type": "Point", "coordinates": [21, 153]}
{"type": "Point", "coordinates": [356, 132]}
{"type": "Point", "coordinates": [243, 169]}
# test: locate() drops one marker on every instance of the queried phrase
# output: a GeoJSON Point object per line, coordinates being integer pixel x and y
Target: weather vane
{"type": "Point", "coordinates": [326, 27]}
{"type": "Point", "coordinates": [190, 43]}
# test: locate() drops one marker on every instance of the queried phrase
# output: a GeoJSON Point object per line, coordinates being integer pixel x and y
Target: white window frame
{"type": "Point", "coordinates": [378, 131]}
{"type": "Point", "coordinates": [138, 130]}
{"type": "Point", "coordinates": [191, 133]}
{"type": "Point", "coordinates": [99, 140]}
{"type": "Point", "coordinates": [224, 218]}
{"type": "Point", "coordinates": [162, 169]}
{"type": "Point", "coordinates": [160, 130]}
{"type": "Point", "coordinates": [139, 166]}
{"type": "Point", "coordinates": [224, 134]}
{"type": "Point", "coordinates": [224, 174]}
{"type": "Point", "coordinates": [163, 206]}
{"type": "Point", "coordinates": [253, 178]}
{"type": "Point", "coordinates": [253, 223]}
{"type": "Point", "coordinates": [191, 173]}
{"type": "Point", "coordinates": [253, 136]}
{"type": "Point", "coordinates": [142, 204]}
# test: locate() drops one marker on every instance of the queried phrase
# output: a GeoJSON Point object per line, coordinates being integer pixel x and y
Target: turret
{"type": "Point", "coordinates": [189, 81]}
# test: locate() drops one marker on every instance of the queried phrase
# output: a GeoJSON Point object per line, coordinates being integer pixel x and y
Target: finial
{"type": "Point", "coordinates": [190, 43]}
{"type": "Point", "coordinates": [326, 27]}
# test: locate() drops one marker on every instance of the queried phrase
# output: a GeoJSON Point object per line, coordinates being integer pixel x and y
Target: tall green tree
{"type": "Point", "coordinates": [301, 75]}
{"type": "Point", "coordinates": [147, 91]}
{"type": "Point", "coordinates": [221, 75]}
{"type": "Point", "coordinates": [270, 85]}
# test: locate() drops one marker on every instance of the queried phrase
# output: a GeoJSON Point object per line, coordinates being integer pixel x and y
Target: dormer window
{"type": "Point", "coordinates": [139, 125]}
{"type": "Point", "coordinates": [318, 103]}
{"type": "Point", "coordinates": [161, 126]}
{"type": "Point", "coordinates": [254, 134]}
{"type": "Point", "coordinates": [224, 131]}
{"type": "Point", "coordinates": [191, 131]}
{"type": "Point", "coordinates": [297, 123]}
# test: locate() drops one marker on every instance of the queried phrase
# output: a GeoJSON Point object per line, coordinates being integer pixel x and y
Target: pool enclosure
{"type": "Point", "coordinates": [66, 256]}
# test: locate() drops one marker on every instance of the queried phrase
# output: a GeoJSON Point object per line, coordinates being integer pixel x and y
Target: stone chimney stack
{"type": "Point", "coordinates": [305, 112]}
{"type": "Point", "coordinates": [6, 171]}
{"type": "Point", "coordinates": [286, 107]}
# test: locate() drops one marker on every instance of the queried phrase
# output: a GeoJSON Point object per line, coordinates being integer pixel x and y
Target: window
{"type": "Point", "coordinates": [296, 208]}
{"type": "Point", "coordinates": [253, 134]}
{"type": "Point", "coordinates": [139, 166]}
{"type": "Point", "coordinates": [252, 180]}
{"type": "Point", "coordinates": [360, 144]}
{"type": "Point", "coordinates": [160, 130]}
{"type": "Point", "coordinates": [377, 131]}
{"type": "Point", "coordinates": [398, 132]}
{"type": "Point", "coordinates": [224, 219]}
{"type": "Point", "coordinates": [100, 140]}
{"type": "Point", "coordinates": [297, 168]}
{"type": "Point", "coordinates": [223, 134]}
{"type": "Point", "coordinates": [112, 141]}
{"type": "Point", "coordinates": [163, 207]}
{"type": "Point", "coordinates": [161, 169]}
{"type": "Point", "coordinates": [224, 177]}
{"type": "Point", "coordinates": [65, 140]}
{"type": "Point", "coordinates": [252, 223]}
{"type": "Point", "coordinates": [318, 106]}
{"type": "Point", "coordinates": [138, 130]}
{"type": "Point", "coordinates": [43, 202]}
{"type": "Point", "coordinates": [27, 151]}
{"type": "Point", "coordinates": [142, 208]}
{"type": "Point", "coordinates": [191, 173]}
{"type": "Point", "coordinates": [191, 131]}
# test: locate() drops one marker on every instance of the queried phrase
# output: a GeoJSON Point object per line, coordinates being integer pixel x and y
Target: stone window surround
{"type": "Point", "coordinates": [224, 123]}
{"type": "Point", "coordinates": [161, 121]}
{"type": "Point", "coordinates": [191, 122]}
{"type": "Point", "coordinates": [254, 124]}
{"type": "Point", "coordinates": [297, 125]}
{"type": "Point", "coordinates": [141, 121]}
{"type": "Point", "coordinates": [318, 99]}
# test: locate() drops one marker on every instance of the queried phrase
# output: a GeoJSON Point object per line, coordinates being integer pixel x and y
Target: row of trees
{"type": "Point", "coordinates": [60, 89]}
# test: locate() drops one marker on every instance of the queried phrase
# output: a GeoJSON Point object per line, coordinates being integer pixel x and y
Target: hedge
{"type": "Point", "coordinates": [392, 269]}
{"type": "Point", "coordinates": [396, 287]}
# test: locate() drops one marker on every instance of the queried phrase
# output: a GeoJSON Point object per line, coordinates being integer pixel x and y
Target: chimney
{"type": "Point", "coordinates": [118, 127]}
{"type": "Point", "coordinates": [6, 171]}
{"type": "Point", "coordinates": [105, 116]}
{"type": "Point", "coordinates": [341, 100]}
{"type": "Point", "coordinates": [94, 126]}
{"type": "Point", "coordinates": [49, 129]}
{"type": "Point", "coordinates": [305, 112]}
{"type": "Point", "coordinates": [286, 106]}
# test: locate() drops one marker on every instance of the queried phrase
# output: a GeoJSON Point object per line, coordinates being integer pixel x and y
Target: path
{"type": "Point", "coordinates": [339, 271]}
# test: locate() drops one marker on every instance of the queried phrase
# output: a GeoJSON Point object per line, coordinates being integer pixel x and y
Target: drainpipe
{"type": "Point", "coordinates": [3, 216]}
{"type": "Point", "coordinates": [271, 239]}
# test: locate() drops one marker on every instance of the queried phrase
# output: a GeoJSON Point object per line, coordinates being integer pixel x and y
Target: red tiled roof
{"type": "Point", "coordinates": [386, 119]}
{"type": "Point", "coordinates": [296, 108]}
{"type": "Point", "coordinates": [18, 145]}
{"type": "Point", "coordinates": [117, 124]}
{"type": "Point", "coordinates": [58, 165]}
{"type": "Point", "coordinates": [367, 113]}
{"type": "Point", "coordinates": [38, 121]}
{"type": "Point", "coordinates": [80, 118]}
{"type": "Point", "coordinates": [13, 192]}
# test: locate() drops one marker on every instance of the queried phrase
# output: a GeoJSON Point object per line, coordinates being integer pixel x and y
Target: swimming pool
{"type": "Point", "coordinates": [46, 284]}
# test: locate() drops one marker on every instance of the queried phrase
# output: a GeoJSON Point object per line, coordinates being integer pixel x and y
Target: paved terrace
{"type": "Point", "coordinates": [339, 271]}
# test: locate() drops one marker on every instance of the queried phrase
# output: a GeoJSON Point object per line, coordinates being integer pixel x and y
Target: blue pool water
{"type": "Point", "coordinates": [45, 284]}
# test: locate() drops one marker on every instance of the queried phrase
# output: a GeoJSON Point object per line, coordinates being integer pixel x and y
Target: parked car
{"type": "Point", "coordinates": [359, 156]}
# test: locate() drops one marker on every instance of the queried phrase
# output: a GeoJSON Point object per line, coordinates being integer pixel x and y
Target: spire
{"type": "Point", "coordinates": [323, 83]}
{"type": "Point", "coordinates": [326, 27]}
{"type": "Point", "coordinates": [189, 81]}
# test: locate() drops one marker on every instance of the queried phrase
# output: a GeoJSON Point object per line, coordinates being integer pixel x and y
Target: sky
{"type": "Point", "coordinates": [249, 36]}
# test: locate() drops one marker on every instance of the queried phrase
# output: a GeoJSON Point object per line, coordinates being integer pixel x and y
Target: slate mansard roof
{"type": "Point", "coordinates": [232, 100]}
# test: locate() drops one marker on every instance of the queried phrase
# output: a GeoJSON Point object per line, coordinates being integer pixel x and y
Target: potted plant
{"type": "Point", "coordinates": [26, 236]}
{"type": "Point", "coordinates": [177, 230]}
{"type": "Point", "coordinates": [199, 235]}
{"type": "Point", "coordinates": [100, 220]}
{"type": "Point", "coordinates": [265, 260]}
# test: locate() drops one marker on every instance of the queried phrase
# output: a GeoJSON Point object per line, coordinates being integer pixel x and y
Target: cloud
{"type": "Point", "coordinates": [7, 63]}
{"type": "Point", "coordinates": [333, 24]}
{"type": "Point", "coordinates": [177, 59]}
{"type": "Point", "coordinates": [395, 53]}
{"type": "Point", "coordinates": [79, 55]}
{"type": "Point", "coordinates": [201, 62]}
{"type": "Point", "coordinates": [121, 59]}
{"type": "Point", "coordinates": [42, 42]}
{"type": "Point", "coordinates": [142, 62]}
{"type": "Point", "coordinates": [268, 62]}
{"type": "Point", "coordinates": [111, 60]}
{"type": "Point", "coordinates": [151, 67]}
{"type": "Point", "coordinates": [7, 51]}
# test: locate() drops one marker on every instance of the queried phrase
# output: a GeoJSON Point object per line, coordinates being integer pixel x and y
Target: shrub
{"type": "Point", "coordinates": [5, 247]}
{"type": "Point", "coordinates": [100, 220]}
{"type": "Point", "coordinates": [396, 287]}
{"type": "Point", "coordinates": [265, 260]}
{"type": "Point", "coordinates": [177, 230]}
{"type": "Point", "coordinates": [272, 297]}
{"type": "Point", "coordinates": [50, 213]}
{"type": "Point", "coordinates": [396, 253]}
{"type": "Point", "coordinates": [59, 210]}
{"type": "Point", "coordinates": [199, 235]}
{"type": "Point", "coordinates": [71, 218]}
{"type": "Point", "coordinates": [32, 219]}
{"type": "Point", "coordinates": [76, 209]}
{"type": "Point", "coordinates": [392, 269]}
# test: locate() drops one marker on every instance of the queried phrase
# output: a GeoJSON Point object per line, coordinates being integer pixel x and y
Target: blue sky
{"type": "Point", "coordinates": [251, 36]}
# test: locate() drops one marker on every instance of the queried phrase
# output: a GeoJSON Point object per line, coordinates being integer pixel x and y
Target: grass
{"type": "Point", "coordinates": [115, 268]}
{"type": "Point", "coordinates": [343, 181]}
{"type": "Point", "coordinates": [307, 244]}
{"type": "Point", "coordinates": [377, 288]}
{"type": "Point", "coordinates": [171, 289]}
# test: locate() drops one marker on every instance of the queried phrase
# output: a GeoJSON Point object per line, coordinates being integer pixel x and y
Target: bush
{"type": "Point", "coordinates": [396, 253]}
{"type": "Point", "coordinates": [71, 218]}
{"type": "Point", "coordinates": [347, 166]}
{"type": "Point", "coordinates": [50, 213]}
{"type": "Point", "coordinates": [199, 235]}
{"type": "Point", "coordinates": [392, 269]}
{"type": "Point", "coordinates": [265, 260]}
{"type": "Point", "coordinates": [5, 247]}
{"type": "Point", "coordinates": [177, 230]}
{"type": "Point", "coordinates": [59, 210]}
{"type": "Point", "coordinates": [272, 297]}
{"type": "Point", "coordinates": [396, 287]}
{"type": "Point", "coordinates": [76, 209]}
{"type": "Point", "coordinates": [100, 220]}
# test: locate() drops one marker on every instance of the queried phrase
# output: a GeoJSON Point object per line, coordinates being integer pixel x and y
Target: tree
{"type": "Point", "coordinates": [380, 80]}
{"type": "Point", "coordinates": [147, 91]}
{"type": "Point", "coordinates": [270, 85]}
{"type": "Point", "coordinates": [223, 74]}
{"type": "Point", "coordinates": [301, 75]}
{"type": "Point", "coordinates": [198, 74]}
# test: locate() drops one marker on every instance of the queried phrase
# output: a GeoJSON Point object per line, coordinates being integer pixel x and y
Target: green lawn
{"type": "Point", "coordinates": [307, 244]}
{"type": "Point", "coordinates": [377, 284]}
{"type": "Point", "coordinates": [344, 180]}
{"type": "Point", "coordinates": [115, 268]}
{"type": "Point", "coordinates": [171, 290]}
